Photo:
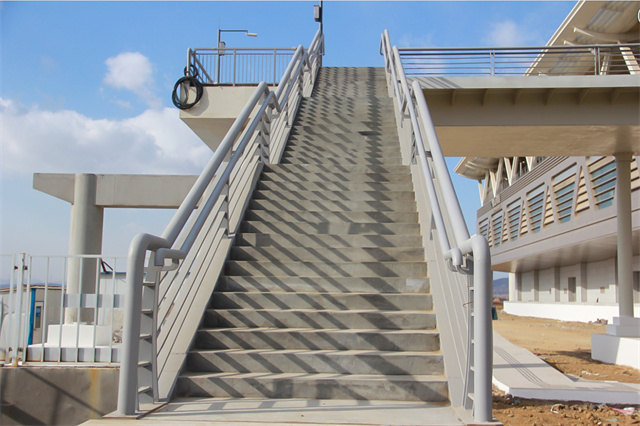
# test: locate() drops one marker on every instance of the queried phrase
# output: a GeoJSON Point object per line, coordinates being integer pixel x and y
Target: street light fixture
{"type": "Point", "coordinates": [222, 44]}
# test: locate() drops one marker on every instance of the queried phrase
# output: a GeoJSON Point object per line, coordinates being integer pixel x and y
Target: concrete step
{"type": "Point", "coordinates": [315, 361]}
{"type": "Point", "coordinates": [310, 116]}
{"type": "Point", "coordinates": [327, 339]}
{"type": "Point", "coordinates": [338, 143]}
{"type": "Point", "coordinates": [312, 318]}
{"type": "Point", "coordinates": [319, 168]}
{"type": "Point", "coordinates": [321, 301]}
{"type": "Point", "coordinates": [335, 228]}
{"type": "Point", "coordinates": [333, 206]}
{"type": "Point", "coordinates": [339, 161]}
{"type": "Point", "coordinates": [326, 269]}
{"type": "Point", "coordinates": [347, 185]}
{"type": "Point", "coordinates": [384, 285]}
{"type": "Point", "coordinates": [299, 195]}
{"type": "Point", "coordinates": [328, 254]}
{"type": "Point", "coordinates": [357, 128]}
{"type": "Point", "coordinates": [268, 176]}
{"type": "Point", "coordinates": [389, 136]}
{"type": "Point", "coordinates": [342, 148]}
{"type": "Point", "coordinates": [324, 241]}
{"type": "Point", "coordinates": [273, 215]}
{"type": "Point", "coordinates": [314, 386]}
{"type": "Point", "coordinates": [360, 156]}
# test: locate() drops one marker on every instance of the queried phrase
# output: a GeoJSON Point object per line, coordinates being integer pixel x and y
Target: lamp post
{"type": "Point", "coordinates": [222, 45]}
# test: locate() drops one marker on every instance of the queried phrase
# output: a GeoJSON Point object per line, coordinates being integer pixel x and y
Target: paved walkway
{"type": "Point", "coordinates": [522, 374]}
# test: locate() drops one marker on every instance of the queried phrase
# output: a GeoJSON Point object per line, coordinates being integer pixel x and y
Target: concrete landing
{"type": "Point", "coordinates": [522, 374]}
{"type": "Point", "coordinates": [296, 411]}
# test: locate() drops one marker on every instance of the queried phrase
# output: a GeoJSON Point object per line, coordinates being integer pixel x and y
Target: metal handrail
{"type": "Point", "coordinates": [596, 59]}
{"type": "Point", "coordinates": [267, 117]}
{"type": "Point", "coordinates": [459, 250]}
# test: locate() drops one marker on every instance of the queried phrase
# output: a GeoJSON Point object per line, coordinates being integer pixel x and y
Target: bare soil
{"type": "Point", "coordinates": [565, 346]}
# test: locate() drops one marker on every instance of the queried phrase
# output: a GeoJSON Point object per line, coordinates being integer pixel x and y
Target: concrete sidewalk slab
{"type": "Point", "coordinates": [520, 373]}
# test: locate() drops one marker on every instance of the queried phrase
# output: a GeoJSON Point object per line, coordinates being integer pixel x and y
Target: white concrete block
{"type": "Point", "coordinates": [616, 350]}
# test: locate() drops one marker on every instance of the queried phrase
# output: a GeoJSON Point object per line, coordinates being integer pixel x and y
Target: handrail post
{"type": "Point", "coordinates": [482, 333]}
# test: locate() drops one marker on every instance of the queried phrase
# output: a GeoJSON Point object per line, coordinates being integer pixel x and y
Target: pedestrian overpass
{"type": "Point", "coordinates": [299, 147]}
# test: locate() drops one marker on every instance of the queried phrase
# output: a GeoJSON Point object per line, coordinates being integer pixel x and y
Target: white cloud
{"type": "Point", "coordinates": [37, 140]}
{"type": "Point", "coordinates": [132, 71]}
{"type": "Point", "coordinates": [506, 33]}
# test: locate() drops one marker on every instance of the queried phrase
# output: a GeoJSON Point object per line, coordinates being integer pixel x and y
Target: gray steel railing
{"type": "Point", "coordinates": [166, 298]}
{"type": "Point", "coordinates": [40, 320]}
{"type": "Point", "coordinates": [467, 306]}
{"type": "Point", "coordinates": [238, 66]}
{"type": "Point", "coordinates": [513, 61]}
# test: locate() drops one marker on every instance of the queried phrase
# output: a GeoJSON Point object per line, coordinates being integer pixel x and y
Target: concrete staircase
{"type": "Point", "coordinates": [325, 294]}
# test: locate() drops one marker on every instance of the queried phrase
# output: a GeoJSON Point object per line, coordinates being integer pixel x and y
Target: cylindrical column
{"type": "Point", "coordinates": [625, 245]}
{"type": "Point", "coordinates": [85, 237]}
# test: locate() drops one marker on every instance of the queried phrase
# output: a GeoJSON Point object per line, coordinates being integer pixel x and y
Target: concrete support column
{"type": "Point", "coordinates": [536, 285]}
{"type": "Point", "coordinates": [513, 286]}
{"type": "Point", "coordinates": [85, 237]}
{"type": "Point", "coordinates": [625, 246]}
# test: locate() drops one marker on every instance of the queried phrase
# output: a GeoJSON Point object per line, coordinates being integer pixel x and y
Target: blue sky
{"type": "Point", "coordinates": [70, 102]}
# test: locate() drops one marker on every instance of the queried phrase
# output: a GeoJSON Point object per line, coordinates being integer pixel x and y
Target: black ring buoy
{"type": "Point", "coordinates": [192, 81]}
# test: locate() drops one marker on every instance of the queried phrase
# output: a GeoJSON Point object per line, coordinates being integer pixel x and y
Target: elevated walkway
{"type": "Point", "coordinates": [527, 116]}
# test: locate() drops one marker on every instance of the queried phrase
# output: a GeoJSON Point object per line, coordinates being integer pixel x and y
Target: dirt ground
{"type": "Point", "coordinates": [565, 346]}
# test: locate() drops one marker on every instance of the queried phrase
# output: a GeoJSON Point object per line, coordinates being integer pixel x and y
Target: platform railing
{"type": "Point", "coordinates": [166, 298]}
{"type": "Point", "coordinates": [239, 66]}
{"type": "Point", "coordinates": [599, 59]}
{"type": "Point", "coordinates": [467, 303]}
{"type": "Point", "coordinates": [41, 320]}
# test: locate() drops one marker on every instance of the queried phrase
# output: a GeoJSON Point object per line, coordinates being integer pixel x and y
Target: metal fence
{"type": "Point", "coordinates": [238, 66]}
{"type": "Point", "coordinates": [514, 61]}
{"type": "Point", "coordinates": [44, 317]}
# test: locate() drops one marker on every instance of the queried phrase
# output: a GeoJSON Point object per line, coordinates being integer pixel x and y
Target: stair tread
{"type": "Point", "coordinates": [326, 278]}
{"type": "Point", "coordinates": [316, 330]}
{"type": "Point", "coordinates": [316, 376]}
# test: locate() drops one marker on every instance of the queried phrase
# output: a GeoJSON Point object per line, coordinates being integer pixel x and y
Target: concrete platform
{"type": "Point", "coordinates": [232, 411]}
{"type": "Point", "coordinates": [522, 374]}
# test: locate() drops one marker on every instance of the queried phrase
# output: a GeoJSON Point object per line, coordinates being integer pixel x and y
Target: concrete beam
{"type": "Point", "coordinates": [121, 191]}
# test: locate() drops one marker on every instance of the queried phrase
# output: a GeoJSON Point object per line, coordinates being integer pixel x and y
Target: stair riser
{"type": "Point", "coordinates": [320, 319]}
{"type": "Point", "coordinates": [336, 177]}
{"type": "Point", "coordinates": [325, 269]}
{"type": "Point", "coordinates": [342, 196]}
{"type": "Point", "coordinates": [315, 144]}
{"type": "Point", "coordinates": [315, 168]}
{"type": "Point", "coordinates": [322, 301]}
{"type": "Point", "coordinates": [361, 148]}
{"type": "Point", "coordinates": [327, 217]}
{"type": "Point", "coordinates": [318, 340]}
{"type": "Point", "coordinates": [337, 161]}
{"type": "Point", "coordinates": [336, 228]}
{"type": "Point", "coordinates": [334, 186]}
{"type": "Point", "coordinates": [355, 140]}
{"type": "Point", "coordinates": [325, 241]}
{"type": "Point", "coordinates": [257, 387]}
{"type": "Point", "coordinates": [342, 158]}
{"type": "Point", "coordinates": [333, 206]}
{"type": "Point", "coordinates": [284, 254]}
{"type": "Point", "coordinates": [315, 362]}
{"type": "Point", "coordinates": [318, 284]}
{"type": "Point", "coordinates": [357, 126]}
